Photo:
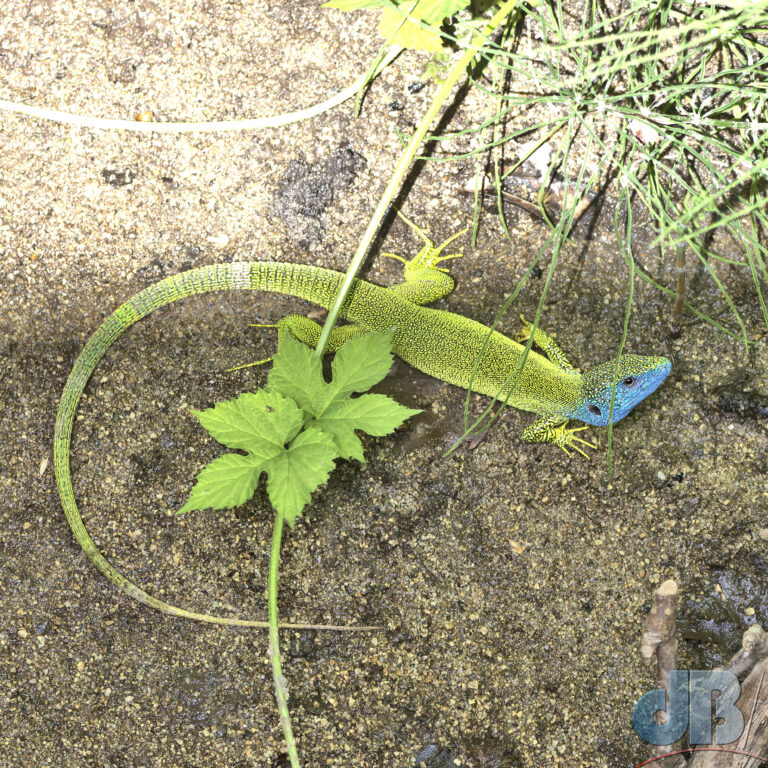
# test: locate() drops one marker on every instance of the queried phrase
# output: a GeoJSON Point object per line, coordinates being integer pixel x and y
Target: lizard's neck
{"type": "Point", "coordinates": [543, 386]}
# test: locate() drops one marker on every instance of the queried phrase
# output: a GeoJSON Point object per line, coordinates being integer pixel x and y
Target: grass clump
{"type": "Point", "coordinates": [664, 101]}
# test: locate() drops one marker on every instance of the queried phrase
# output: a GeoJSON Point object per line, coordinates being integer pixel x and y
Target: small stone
{"type": "Point", "coordinates": [220, 241]}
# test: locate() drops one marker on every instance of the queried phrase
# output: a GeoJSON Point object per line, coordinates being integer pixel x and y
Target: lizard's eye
{"type": "Point", "coordinates": [629, 381]}
{"type": "Point", "coordinates": [594, 410]}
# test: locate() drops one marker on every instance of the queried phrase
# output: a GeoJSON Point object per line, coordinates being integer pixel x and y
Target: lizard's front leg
{"type": "Point", "coordinates": [552, 429]}
{"type": "Point", "coordinates": [425, 282]}
{"type": "Point", "coordinates": [429, 256]}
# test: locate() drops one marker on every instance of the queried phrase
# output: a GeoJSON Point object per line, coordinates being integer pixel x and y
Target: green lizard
{"type": "Point", "coordinates": [442, 344]}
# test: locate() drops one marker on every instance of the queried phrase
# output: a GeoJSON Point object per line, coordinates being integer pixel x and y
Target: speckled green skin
{"type": "Point", "coordinates": [442, 344]}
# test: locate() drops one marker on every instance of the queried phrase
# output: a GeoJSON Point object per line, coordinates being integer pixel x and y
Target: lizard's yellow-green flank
{"type": "Point", "coordinates": [440, 343]}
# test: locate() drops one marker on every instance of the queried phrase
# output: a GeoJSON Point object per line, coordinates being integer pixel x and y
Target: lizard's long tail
{"type": "Point", "coordinates": [315, 284]}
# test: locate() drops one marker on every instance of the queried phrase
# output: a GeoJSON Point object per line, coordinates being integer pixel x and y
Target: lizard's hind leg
{"type": "Point", "coordinates": [307, 331]}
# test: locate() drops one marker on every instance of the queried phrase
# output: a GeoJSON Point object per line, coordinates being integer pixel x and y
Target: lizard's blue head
{"type": "Point", "coordinates": [635, 376]}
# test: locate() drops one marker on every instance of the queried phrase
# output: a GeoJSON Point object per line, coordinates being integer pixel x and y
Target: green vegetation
{"type": "Point", "coordinates": [293, 430]}
{"type": "Point", "coordinates": [409, 23]}
{"type": "Point", "coordinates": [660, 107]}
{"type": "Point", "coordinates": [297, 426]}
{"type": "Point", "coordinates": [665, 104]}
{"type": "Point", "coordinates": [440, 99]}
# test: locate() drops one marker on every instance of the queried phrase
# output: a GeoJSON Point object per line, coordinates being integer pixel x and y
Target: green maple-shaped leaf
{"type": "Point", "coordinates": [400, 19]}
{"type": "Point", "coordinates": [268, 424]}
{"type": "Point", "coordinates": [253, 421]}
{"type": "Point", "coordinates": [260, 423]}
{"type": "Point", "coordinates": [295, 473]}
{"type": "Point", "coordinates": [359, 364]}
{"type": "Point", "coordinates": [410, 33]}
{"type": "Point", "coordinates": [362, 362]}
{"type": "Point", "coordinates": [373, 414]}
{"type": "Point", "coordinates": [297, 372]}
{"type": "Point", "coordinates": [227, 481]}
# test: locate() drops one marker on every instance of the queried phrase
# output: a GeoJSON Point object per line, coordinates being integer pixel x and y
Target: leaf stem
{"type": "Point", "coordinates": [281, 688]}
{"type": "Point", "coordinates": [402, 167]}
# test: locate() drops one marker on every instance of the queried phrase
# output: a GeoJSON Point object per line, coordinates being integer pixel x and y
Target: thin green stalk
{"type": "Point", "coordinates": [387, 53]}
{"type": "Point", "coordinates": [402, 167]}
{"type": "Point", "coordinates": [626, 248]}
{"type": "Point", "coordinates": [281, 687]}
{"type": "Point", "coordinates": [479, 170]}
{"type": "Point", "coordinates": [557, 236]}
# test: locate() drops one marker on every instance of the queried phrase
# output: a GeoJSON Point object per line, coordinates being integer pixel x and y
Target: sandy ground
{"type": "Point", "coordinates": [511, 581]}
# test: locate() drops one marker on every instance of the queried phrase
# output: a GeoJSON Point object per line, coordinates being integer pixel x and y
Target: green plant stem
{"type": "Point", "coordinates": [281, 689]}
{"type": "Point", "coordinates": [405, 160]}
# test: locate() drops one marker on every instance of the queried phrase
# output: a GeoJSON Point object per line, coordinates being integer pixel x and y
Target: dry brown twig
{"type": "Point", "coordinates": [659, 640]}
